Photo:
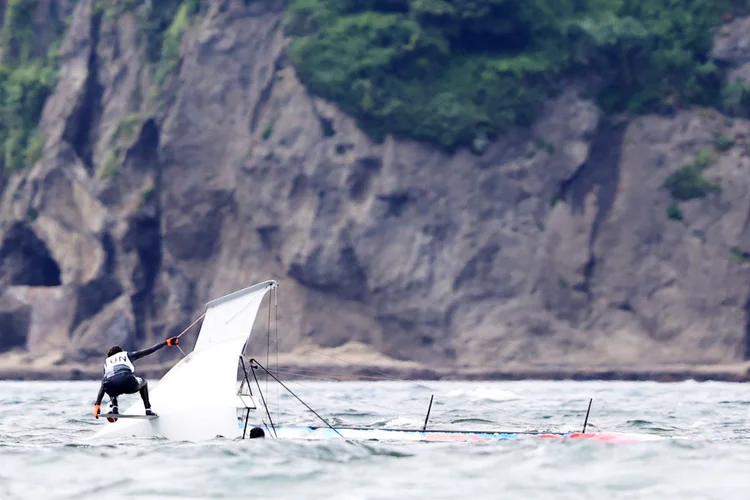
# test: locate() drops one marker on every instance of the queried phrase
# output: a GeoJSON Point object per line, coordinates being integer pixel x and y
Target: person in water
{"type": "Point", "coordinates": [119, 377]}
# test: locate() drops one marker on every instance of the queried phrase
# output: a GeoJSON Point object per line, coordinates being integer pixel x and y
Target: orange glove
{"type": "Point", "coordinates": [173, 341]}
{"type": "Point", "coordinates": [97, 410]}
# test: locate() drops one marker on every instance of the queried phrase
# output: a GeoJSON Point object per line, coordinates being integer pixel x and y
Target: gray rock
{"type": "Point", "coordinates": [731, 44]}
{"type": "Point", "coordinates": [114, 325]}
{"type": "Point", "coordinates": [551, 248]}
{"type": "Point", "coordinates": [50, 316]}
{"type": "Point", "coordinates": [15, 320]}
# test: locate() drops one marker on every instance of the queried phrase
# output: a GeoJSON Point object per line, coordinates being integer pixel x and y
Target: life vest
{"type": "Point", "coordinates": [119, 362]}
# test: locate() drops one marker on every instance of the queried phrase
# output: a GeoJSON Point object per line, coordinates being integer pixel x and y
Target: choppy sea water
{"type": "Point", "coordinates": [44, 452]}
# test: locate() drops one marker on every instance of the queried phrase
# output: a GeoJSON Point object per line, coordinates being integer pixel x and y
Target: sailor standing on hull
{"type": "Point", "coordinates": [119, 377]}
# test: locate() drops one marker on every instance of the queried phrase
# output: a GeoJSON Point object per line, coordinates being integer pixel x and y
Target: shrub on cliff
{"type": "Point", "coordinates": [23, 91]}
{"type": "Point", "coordinates": [27, 77]}
{"type": "Point", "coordinates": [453, 72]}
{"type": "Point", "coordinates": [688, 182]}
{"type": "Point", "coordinates": [27, 66]}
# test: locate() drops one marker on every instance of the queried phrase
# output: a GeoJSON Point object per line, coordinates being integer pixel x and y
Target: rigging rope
{"type": "Point", "coordinates": [268, 344]}
{"type": "Point", "coordinates": [244, 371]}
{"type": "Point", "coordinates": [293, 394]}
{"type": "Point", "coordinates": [247, 416]}
{"type": "Point", "coordinates": [261, 395]}
{"type": "Point", "coordinates": [186, 330]}
{"type": "Point", "coordinates": [191, 325]}
{"type": "Point", "coordinates": [276, 324]}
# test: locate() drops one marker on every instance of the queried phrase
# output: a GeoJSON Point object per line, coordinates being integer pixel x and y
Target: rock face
{"type": "Point", "coordinates": [552, 248]}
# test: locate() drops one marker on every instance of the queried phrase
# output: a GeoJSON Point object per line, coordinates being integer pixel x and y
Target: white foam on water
{"type": "Point", "coordinates": [485, 393]}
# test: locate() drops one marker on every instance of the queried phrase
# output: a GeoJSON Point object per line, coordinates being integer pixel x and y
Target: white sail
{"type": "Point", "coordinates": [197, 399]}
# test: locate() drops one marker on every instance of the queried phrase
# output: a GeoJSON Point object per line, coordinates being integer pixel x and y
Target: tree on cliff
{"type": "Point", "coordinates": [457, 73]}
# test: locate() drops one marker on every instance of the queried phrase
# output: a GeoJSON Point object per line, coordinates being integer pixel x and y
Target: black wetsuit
{"type": "Point", "coordinates": [122, 380]}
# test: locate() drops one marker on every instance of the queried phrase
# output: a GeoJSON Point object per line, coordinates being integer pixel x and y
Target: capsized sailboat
{"type": "Point", "coordinates": [200, 398]}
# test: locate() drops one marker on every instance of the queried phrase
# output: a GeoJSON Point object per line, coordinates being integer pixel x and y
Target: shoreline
{"type": "Point", "coordinates": [356, 361]}
{"type": "Point", "coordinates": [333, 372]}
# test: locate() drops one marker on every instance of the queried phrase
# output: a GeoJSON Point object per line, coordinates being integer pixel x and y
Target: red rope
{"type": "Point", "coordinates": [192, 325]}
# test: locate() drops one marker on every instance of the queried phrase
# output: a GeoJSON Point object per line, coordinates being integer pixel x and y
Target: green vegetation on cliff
{"type": "Point", "coordinates": [459, 72]}
{"type": "Point", "coordinates": [162, 25]}
{"type": "Point", "coordinates": [688, 182]}
{"type": "Point", "coordinates": [28, 62]}
{"type": "Point", "coordinates": [27, 77]}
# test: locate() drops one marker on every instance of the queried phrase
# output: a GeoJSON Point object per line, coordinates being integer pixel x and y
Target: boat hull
{"type": "Point", "coordinates": [401, 435]}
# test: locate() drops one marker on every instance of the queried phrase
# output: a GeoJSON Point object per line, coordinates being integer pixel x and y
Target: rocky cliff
{"type": "Point", "coordinates": [581, 243]}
